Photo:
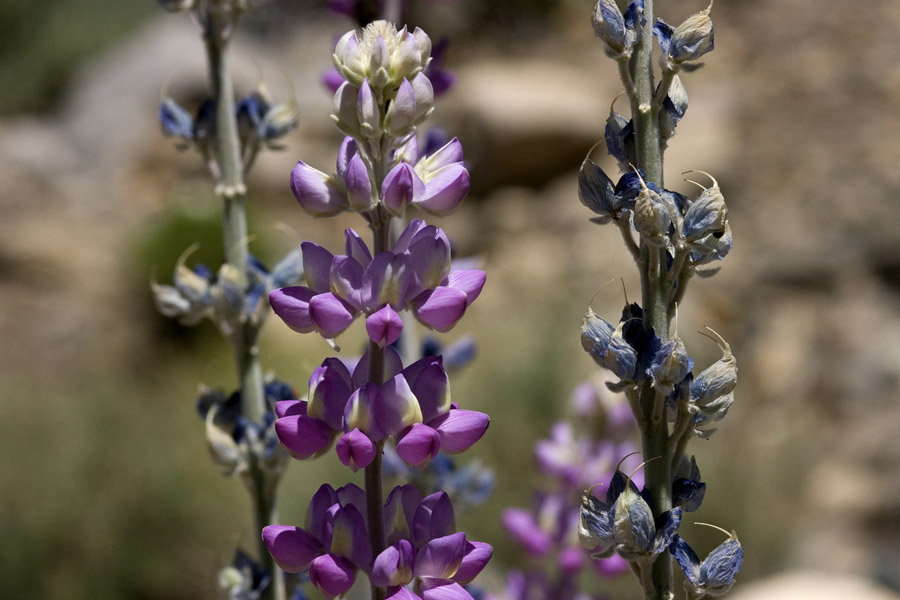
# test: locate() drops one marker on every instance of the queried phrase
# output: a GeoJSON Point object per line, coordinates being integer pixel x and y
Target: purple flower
{"type": "Point", "coordinates": [333, 544]}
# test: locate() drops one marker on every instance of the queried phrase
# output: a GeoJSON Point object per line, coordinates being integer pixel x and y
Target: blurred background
{"type": "Point", "coordinates": [106, 488]}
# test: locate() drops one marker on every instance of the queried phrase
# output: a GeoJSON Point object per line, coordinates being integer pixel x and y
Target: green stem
{"type": "Point", "coordinates": [230, 187]}
{"type": "Point", "coordinates": [652, 263]}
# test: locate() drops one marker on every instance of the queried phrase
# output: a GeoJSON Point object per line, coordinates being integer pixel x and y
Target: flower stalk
{"type": "Point", "coordinates": [676, 236]}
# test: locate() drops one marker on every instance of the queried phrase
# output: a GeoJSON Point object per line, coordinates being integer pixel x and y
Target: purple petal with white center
{"type": "Point", "coordinates": [359, 411]}
{"type": "Point", "coordinates": [460, 429]}
{"type": "Point", "coordinates": [329, 389]}
{"type": "Point", "coordinates": [394, 565]}
{"type": "Point", "coordinates": [303, 436]}
{"type": "Point", "coordinates": [356, 248]}
{"type": "Point", "coordinates": [386, 280]}
{"type": "Point", "coordinates": [332, 575]}
{"type": "Point", "coordinates": [471, 281]}
{"type": "Point", "coordinates": [291, 547]}
{"type": "Point", "coordinates": [441, 556]}
{"type": "Point", "coordinates": [356, 450]}
{"type": "Point", "coordinates": [448, 154]}
{"type": "Point", "coordinates": [291, 304]}
{"type": "Point", "coordinates": [439, 589]}
{"type": "Point", "coordinates": [384, 326]}
{"type": "Point", "coordinates": [429, 382]}
{"type": "Point", "coordinates": [392, 366]}
{"type": "Point", "coordinates": [434, 518]}
{"type": "Point", "coordinates": [358, 185]}
{"type": "Point", "coordinates": [418, 445]}
{"type": "Point", "coordinates": [349, 537]}
{"type": "Point", "coordinates": [290, 408]}
{"type": "Point", "coordinates": [400, 511]}
{"type": "Point", "coordinates": [407, 235]}
{"type": "Point", "coordinates": [441, 308]}
{"type": "Point", "coordinates": [429, 258]}
{"type": "Point", "coordinates": [347, 280]}
{"type": "Point", "coordinates": [317, 267]}
{"type": "Point", "coordinates": [345, 153]}
{"type": "Point", "coordinates": [401, 186]}
{"type": "Point", "coordinates": [475, 559]}
{"type": "Point", "coordinates": [330, 314]}
{"type": "Point", "coordinates": [316, 192]}
{"type": "Point", "coordinates": [521, 527]}
{"type": "Point", "coordinates": [396, 407]}
{"type": "Point", "coordinates": [445, 189]}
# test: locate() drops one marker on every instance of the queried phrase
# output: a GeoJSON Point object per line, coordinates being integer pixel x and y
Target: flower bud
{"type": "Point", "coordinates": [674, 106]}
{"type": "Point", "coordinates": [379, 64]}
{"type": "Point", "coordinates": [359, 187]}
{"type": "Point", "coordinates": [693, 38]}
{"type": "Point", "coordinates": [424, 91]}
{"type": "Point", "coordinates": [401, 187]}
{"type": "Point", "coordinates": [651, 217]}
{"type": "Point", "coordinates": [717, 380]}
{"type": "Point", "coordinates": [318, 194]}
{"type": "Point", "coordinates": [706, 215]}
{"type": "Point", "coordinates": [716, 574]}
{"type": "Point", "coordinates": [368, 112]}
{"type": "Point", "coordinates": [595, 335]}
{"type": "Point", "coordinates": [609, 26]}
{"type": "Point", "coordinates": [401, 113]}
{"type": "Point", "coordinates": [670, 364]}
{"type": "Point", "coordinates": [345, 114]}
{"type": "Point", "coordinates": [349, 59]}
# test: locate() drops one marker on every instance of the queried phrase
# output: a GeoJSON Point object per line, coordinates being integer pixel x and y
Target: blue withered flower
{"type": "Point", "coordinates": [618, 32]}
{"type": "Point", "coordinates": [176, 121]}
{"type": "Point", "coordinates": [670, 364]}
{"type": "Point", "coordinates": [716, 573]}
{"type": "Point", "coordinates": [712, 391]}
{"type": "Point", "coordinates": [624, 523]}
{"type": "Point", "coordinates": [687, 488]}
{"type": "Point", "coordinates": [683, 45]}
{"type": "Point", "coordinates": [674, 106]}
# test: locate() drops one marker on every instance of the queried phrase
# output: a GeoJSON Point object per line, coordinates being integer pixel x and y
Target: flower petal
{"type": "Point", "coordinates": [291, 547]}
{"type": "Point", "coordinates": [394, 566]}
{"type": "Point", "coordinates": [349, 537]}
{"type": "Point", "coordinates": [303, 436]}
{"type": "Point", "coordinates": [291, 304]}
{"type": "Point", "coordinates": [396, 407]}
{"type": "Point", "coordinates": [287, 408]}
{"type": "Point", "coordinates": [418, 445]}
{"type": "Point", "coordinates": [471, 281]}
{"type": "Point", "coordinates": [330, 314]}
{"type": "Point", "coordinates": [429, 382]}
{"type": "Point", "coordinates": [347, 279]}
{"type": "Point", "coordinates": [356, 450]}
{"type": "Point", "coordinates": [475, 559]}
{"type": "Point", "coordinates": [384, 326]}
{"type": "Point", "coordinates": [441, 308]}
{"type": "Point", "coordinates": [332, 575]}
{"type": "Point", "coordinates": [445, 189]}
{"type": "Point", "coordinates": [317, 267]}
{"type": "Point", "coordinates": [522, 528]}
{"type": "Point", "coordinates": [439, 589]}
{"type": "Point", "coordinates": [441, 556]}
{"type": "Point", "coordinates": [460, 429]}
{"type": "Point", "coordinates": [317, 193]}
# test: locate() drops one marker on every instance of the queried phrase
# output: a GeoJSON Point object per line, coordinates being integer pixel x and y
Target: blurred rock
{"type": "Point", "coordinates": [811, 586]}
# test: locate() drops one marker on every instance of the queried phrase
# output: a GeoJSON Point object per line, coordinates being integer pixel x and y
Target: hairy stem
{"type": "Point", "coordinates": [655, 433]}
{"type": "Point", "coordinates": [230, 187]}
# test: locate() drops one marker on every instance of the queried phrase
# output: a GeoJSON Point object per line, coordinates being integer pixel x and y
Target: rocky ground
{"type": "Point", "coordinates": [796, 114]}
